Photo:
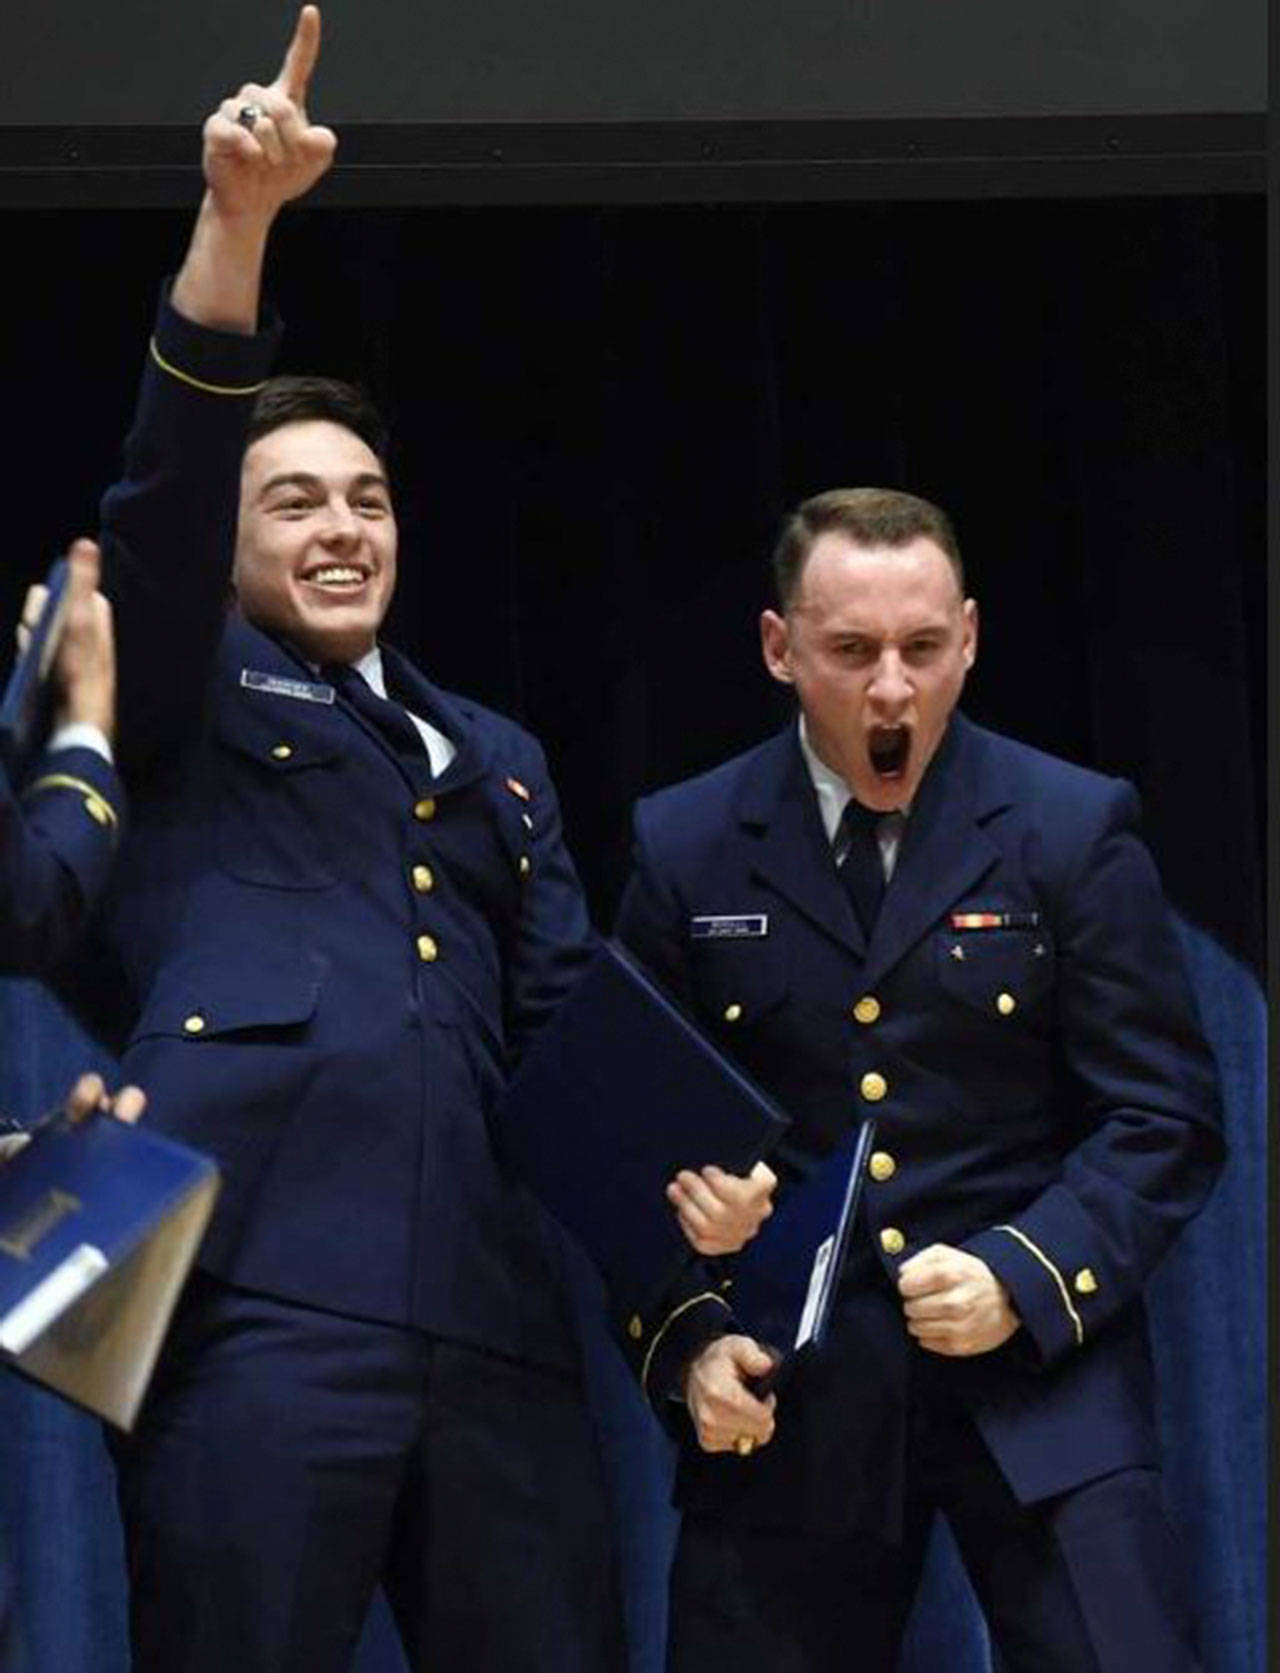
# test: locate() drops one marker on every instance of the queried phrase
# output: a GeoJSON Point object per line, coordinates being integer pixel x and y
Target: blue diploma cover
{"type": "Point", "coordinates": [618, 1093]}
{"type": "Point", "coordinates": [785, 1280]}
{"type": "Point", "coordinates": [25, 706]}
{"type": "Point", "coordinates": [99, 1224]}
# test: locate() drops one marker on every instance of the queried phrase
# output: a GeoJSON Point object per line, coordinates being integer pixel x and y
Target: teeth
{"type": "Point", "coordinates": [336, 574]}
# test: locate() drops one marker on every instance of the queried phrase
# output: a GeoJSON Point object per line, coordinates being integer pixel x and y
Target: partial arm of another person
{"type": "Point", "coordinates": [87, 1097]}
{"type": "Point", "coordinates": [59, 831]}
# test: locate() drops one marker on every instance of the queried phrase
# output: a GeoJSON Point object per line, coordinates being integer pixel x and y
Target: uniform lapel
{"type": "Point", "coordinates": [791, 854]}
{"type": "Point", "coordinates": [945, 849]}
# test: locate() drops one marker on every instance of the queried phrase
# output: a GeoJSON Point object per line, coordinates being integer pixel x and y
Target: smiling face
{"type": "Point", "coordinates": [316, 545]}
{"type": "Point", "coordinates": [877, 642]}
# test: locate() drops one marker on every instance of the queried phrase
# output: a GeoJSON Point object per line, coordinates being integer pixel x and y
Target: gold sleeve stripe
{"type": "Point", "coordinates": [66, 781]}
{"type": "Point", "coordinates": [197, 383]}
{"type": "Point", "coordinates": [707, 1295]}
{"type": "Point", "coordinates": [1057, 1277]}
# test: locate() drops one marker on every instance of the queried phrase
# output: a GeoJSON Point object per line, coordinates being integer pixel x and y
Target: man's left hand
{"type": "Point", "coordinates": [953, 1302]}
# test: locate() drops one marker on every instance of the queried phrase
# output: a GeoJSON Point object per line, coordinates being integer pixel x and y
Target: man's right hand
{"type": "Point", "coordinates": [726, 1414]}
{"type": "Point", "coordinates": [721, 1212]}
{"type": "Point", "coordinates": [252, 168]}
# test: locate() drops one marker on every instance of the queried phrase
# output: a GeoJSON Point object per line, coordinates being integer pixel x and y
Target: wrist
{"type": "Point", "coordinates": [219, 283]}
{"type": "Point", "coordinates": [95, 712]}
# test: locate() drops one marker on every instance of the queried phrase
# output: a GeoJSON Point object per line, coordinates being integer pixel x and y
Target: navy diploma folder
{"type": "Point", "coordinates": [25, 706]}
{"type": "Point", "coordinates": [617, 1094]}
{"type": "Point", "coordinates": [785, 1280]}
{"type": "Point", "coordinates": [99, 1224]}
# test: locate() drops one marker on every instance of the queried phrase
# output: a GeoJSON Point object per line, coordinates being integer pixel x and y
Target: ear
{"type": "Point", "coordinates": [775, 645]}
{"type": "Point", "coordinates": [969, 644]}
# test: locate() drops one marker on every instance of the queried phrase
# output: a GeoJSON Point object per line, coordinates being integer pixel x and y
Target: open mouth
{"type": "Point", "coordinates": [337, 577]}
{"type": "Point", "coordinates": [889, 748]}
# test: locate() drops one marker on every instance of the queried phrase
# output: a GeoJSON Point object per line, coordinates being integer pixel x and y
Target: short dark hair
{"type": "Point", "coordinates": [298, 400]}
{"type": "Point", "coordinates": [869, 517]}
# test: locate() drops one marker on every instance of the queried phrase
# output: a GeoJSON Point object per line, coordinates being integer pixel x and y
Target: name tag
{"type": "Point", "coordinates": [278, 686]}
{"type": "Point", "coordinates": [729, 927]}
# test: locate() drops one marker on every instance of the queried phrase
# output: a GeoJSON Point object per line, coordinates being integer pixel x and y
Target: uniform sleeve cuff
{"type": "Point", "coordinates": [1037, 1288]}
{"type": "Point", "coordinates": [228, 363]}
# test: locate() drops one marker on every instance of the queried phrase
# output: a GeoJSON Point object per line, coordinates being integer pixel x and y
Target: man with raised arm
{"type": "Point", "coordinates": [346, 907]}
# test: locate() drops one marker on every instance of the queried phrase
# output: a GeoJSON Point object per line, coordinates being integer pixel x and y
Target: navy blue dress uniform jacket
{"type": "Point", "coordinates": [58, 838]}
{"type": "Point", "coordinates": [1022, 1030]}
{"type": "Point", "coordinates": [322, 961]}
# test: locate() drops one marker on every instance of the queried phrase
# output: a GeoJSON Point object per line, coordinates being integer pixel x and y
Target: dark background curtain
{"type": "Point", "coordinates": [601, 415]}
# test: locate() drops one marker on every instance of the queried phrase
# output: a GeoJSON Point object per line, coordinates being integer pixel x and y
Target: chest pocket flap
{"type": "Point", "coordinates": [211, 997]}
{"type": "Point", "coordinates": [996, 971]}
{"type": "Point", "coordinates": [283, 735]}
{"type": "Point", "coordinates": [738, 983]}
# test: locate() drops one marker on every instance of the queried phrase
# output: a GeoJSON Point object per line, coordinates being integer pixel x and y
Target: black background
{"type": "Point", "coordinates": [603, 412]}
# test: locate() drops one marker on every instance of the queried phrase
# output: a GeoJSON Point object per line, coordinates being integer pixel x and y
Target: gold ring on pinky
{"type": "Point", "coordinates": [744, 1445]}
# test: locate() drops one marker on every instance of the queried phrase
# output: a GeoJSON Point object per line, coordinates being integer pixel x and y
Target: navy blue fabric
{"type": "Point", "coordinates": [862, 869]}
{"type": "Point", "coordinates": [59, 1531]}
{"type": "Point", "coordinates": [293, 1003]}
{"type": "Point", "coordinates": [58, 836]}
{"type": "Point", "coordinates": [287, 1457]}
{"type": "Point", "coordinates": [1043, 1088]}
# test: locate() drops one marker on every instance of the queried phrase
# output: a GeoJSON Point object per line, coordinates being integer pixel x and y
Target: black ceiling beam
{"type": "Point", "coordinates": [673, 162]}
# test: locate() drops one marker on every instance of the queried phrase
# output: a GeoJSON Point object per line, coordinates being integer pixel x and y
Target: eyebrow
{"type": "Point", "coordinates": [307, 479]}
{"type": "Point", "coordinates": [931, 630]}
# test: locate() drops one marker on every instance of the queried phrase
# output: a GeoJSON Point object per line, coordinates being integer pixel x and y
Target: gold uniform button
{"type": "Point", "coordinates": [526, 865]}
{"type": "Point", "coordinates": [194, 1024]}
{"type": "Point", "coordinates": [425, 810]}
{"type": "Point", "coordinates": [282, 752]}
{"type": "Point", "coordinates": [1006, 1004]}
{"type": "Point", "coordinates": [428, 951]}
{"type": "Point", "coordinates": [873, 1087]}
{"type": "Point", "coordinates": [881, 1166]}
{"type": "Point", "coordinates": [423, 879]}
{"type": "Point", "coordinates": [892, 1241]}
{"type": "Point", "coordinates": [1084, 1282]}
{"type": "Point", "coordinates": [867, 1010]}
{"type": "Point", "coordinates": [97, 810]}
{"type": "Point", "coordinates": [732, 1012]}
{"type": "Point", "coordinates": [635, 1330]}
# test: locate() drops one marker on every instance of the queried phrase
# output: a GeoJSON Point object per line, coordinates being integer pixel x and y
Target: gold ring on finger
{"type": "Point", "coordinates": [744, 1445]}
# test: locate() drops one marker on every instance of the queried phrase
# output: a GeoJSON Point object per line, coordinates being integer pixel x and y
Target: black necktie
{"type": "Point", "coordinates": [388, 719]}
{"type": "Point", "coordinates": [862, 872]}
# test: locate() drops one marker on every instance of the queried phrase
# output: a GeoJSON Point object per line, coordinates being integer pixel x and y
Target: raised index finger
{"type": "Point", "coordinates": [300, 56]}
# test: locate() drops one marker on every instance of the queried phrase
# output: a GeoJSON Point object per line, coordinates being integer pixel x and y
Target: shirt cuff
{"type": "Point", "coordinates": [82, 734]}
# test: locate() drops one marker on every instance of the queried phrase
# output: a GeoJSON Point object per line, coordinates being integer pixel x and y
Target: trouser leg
{"type": "Point", "coordinates": [258, 1490]}
{"type": "Point", "coordinates": [1087, 1582]}
{"type": "Point", "coordinates": [503, 1554]}
{"type": "Point", "coordinates": [784, 1602]}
